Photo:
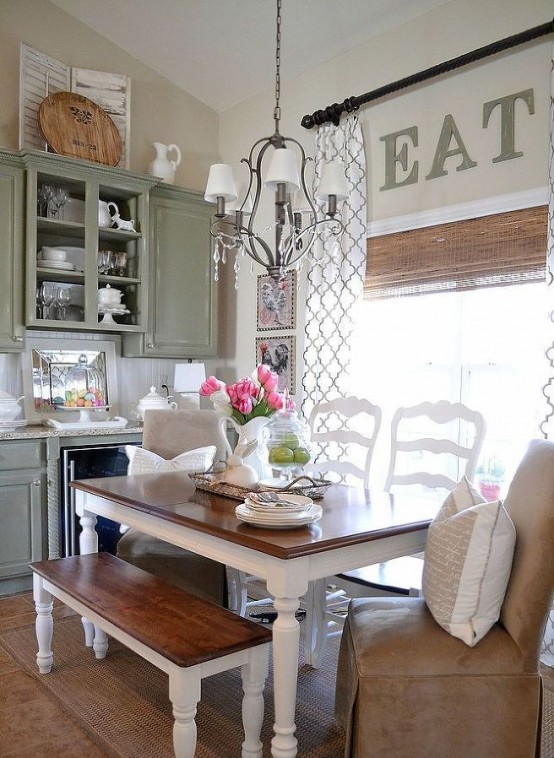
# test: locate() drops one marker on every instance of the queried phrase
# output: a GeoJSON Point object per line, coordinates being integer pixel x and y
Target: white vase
{"type": "Point", "coordinates": [250, 432]}
{"type": "Point", "coordinates": [162, 167]}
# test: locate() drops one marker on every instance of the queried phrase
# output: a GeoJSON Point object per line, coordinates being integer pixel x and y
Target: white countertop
{"type": "Point", "coordinates": [38, 431]}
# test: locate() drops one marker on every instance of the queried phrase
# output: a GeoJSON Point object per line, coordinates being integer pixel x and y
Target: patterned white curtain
{"type": "Point", "coordinates": [547, 427]}
{"type": "Point", "coordinates": [337, 270]}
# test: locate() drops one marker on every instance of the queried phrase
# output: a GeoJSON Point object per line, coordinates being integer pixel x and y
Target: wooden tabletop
{"type": "Point", "coordinates": [351, 515]}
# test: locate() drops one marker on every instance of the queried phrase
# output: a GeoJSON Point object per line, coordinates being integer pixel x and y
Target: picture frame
{"type": "Point", "coordinates": [276, 302]}
{"type": "Point", "coordinates": [278, 352]}
{"type": "Point", "coordinates": [45, 366]}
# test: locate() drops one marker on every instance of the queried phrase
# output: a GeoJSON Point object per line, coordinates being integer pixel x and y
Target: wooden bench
{"type": "Point", "coordinates": [187, 637]}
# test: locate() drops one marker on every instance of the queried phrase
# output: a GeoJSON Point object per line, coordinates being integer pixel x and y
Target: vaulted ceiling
{"type": "Point", "coordinates": [222, 51]}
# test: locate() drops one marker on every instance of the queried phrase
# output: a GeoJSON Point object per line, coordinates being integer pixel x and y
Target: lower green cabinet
{"type": "Point", "coordinates": [182, 298]}
{"type": "Point", "coordinates": [22, 501]}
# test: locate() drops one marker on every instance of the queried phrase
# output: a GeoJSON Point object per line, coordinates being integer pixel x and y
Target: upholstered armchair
{"type": "Point", "coordinates": [170, 433]}
{"type": "Point", "coordinates": [409, 689]}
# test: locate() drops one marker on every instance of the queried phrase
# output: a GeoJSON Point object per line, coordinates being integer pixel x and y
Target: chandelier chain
{"type": "Point", "coordinates": [277, 111]}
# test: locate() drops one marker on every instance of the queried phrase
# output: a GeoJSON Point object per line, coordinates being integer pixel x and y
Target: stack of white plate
{"type": "Point", "coordinates": [285, 512]}
{"type": "Point", "coordinates": [60, 265]}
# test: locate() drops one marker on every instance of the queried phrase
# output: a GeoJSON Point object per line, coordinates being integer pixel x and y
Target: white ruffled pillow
{"type": "Point", "coordinates": [143, 461]}
{"type": "Point", "coordinates": [468, 560]}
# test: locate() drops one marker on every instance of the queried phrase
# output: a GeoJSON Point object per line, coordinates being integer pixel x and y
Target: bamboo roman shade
{"type": "Point", "coordinates": [491, 251]}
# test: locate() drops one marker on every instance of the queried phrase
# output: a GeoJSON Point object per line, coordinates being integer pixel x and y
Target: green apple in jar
{"type": "Point", "coordinates": [281, 456]}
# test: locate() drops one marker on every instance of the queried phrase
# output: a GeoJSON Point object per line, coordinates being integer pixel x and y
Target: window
{"type": "Point", "coordinates": [482, 346]}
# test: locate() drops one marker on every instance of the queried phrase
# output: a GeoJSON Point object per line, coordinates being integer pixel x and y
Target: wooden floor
{"type": "Point", "coordinates": [31, 722]}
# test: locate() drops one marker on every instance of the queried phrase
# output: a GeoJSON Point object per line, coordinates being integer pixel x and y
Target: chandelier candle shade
{"type": "Point", "coordinates": [235, 218]}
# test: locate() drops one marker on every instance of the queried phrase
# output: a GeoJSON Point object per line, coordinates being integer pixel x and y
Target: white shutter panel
{"type": "Point", "coordinates": [39, 76]}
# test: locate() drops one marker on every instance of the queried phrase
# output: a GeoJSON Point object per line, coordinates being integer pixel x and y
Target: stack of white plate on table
{"type": "Point", "coordinates": [271, 510]}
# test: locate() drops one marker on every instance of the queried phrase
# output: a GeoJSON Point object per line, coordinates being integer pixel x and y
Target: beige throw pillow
{"type": "Point", "coordinates": [146, 462]}
{"type": "Point", "coordinates": [468, 559]}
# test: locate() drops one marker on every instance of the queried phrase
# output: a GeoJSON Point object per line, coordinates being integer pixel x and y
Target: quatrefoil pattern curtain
{"type": "Point", "coordinates": [337, 269]}
{"type": "Point", "coordinates": [547, 427]}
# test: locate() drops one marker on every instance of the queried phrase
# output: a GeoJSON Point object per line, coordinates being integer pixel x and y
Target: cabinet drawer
{"type": "Point", "coordinates": [20, 455]}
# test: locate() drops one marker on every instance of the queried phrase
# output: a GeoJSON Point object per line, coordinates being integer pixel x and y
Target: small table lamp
{"type": "Point", "coordinates": [187, 381]}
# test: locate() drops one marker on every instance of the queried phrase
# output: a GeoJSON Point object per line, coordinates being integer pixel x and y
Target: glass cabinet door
{"type": "Point", "coordinates": [86, 251]}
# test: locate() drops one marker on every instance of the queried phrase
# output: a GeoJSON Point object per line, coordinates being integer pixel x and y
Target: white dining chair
{"type": "Point", "coordinates": [426, 458]}
{"type": "Point", "coordinates": [343, 432]}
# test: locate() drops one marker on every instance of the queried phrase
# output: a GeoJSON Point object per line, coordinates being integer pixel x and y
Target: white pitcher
{"type": "Point", "coordinates": [162, 167]}
{"type": "Point", "coordinates": [104, 216]}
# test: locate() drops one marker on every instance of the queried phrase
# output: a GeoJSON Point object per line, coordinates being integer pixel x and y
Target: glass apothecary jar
{"type": "Point", "coordinates": [287, 441]}
{"type": "Point", "coordinates": [84, 386]}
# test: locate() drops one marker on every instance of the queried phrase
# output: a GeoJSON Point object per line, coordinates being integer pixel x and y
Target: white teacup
{"type": "Point", "coordinates": [54, 254]}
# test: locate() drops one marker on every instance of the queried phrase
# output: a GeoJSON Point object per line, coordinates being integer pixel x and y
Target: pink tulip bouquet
{"type": "Point", "coordinates": [247, 398]}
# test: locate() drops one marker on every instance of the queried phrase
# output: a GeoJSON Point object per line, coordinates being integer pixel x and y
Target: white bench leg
{"type": "Point", "coordinates": [44, 625]}
{"type": "Point", "coordinates": [184, 693]}
{"type": "Point", "coordinates": [253, 675]}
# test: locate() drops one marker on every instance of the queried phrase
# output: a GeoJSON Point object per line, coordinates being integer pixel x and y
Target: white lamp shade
{"type": "Point", "coordinates": [333, 181]}
{"type": "Point", "coordinates": [188, 377]}
{"type": "Point", "coordinates": [283, 170]}
{"type": "Point", "coordinates": [235, 205]}
{"type": "Point", "coordinates": [220, 183]}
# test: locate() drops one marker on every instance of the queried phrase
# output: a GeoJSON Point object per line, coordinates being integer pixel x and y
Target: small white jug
{"type": "Point", "coordinates": [104, 216]}
{"type": "Point", "coordinates": [161, 166]}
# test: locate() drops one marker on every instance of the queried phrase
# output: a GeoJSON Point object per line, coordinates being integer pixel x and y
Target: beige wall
{"type": "Point", "coordinates": [159, 111]}
{"type": "Point", "coordinates": [453, 29]}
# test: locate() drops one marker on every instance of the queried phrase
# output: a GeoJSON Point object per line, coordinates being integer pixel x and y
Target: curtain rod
{"type": "Point", "coordinates": [333, 112]}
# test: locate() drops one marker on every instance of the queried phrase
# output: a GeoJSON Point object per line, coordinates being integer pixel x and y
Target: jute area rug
{"type": "Point", "coordinates": [122, 702]}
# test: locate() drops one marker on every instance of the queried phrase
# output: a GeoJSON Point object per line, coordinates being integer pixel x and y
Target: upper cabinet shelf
{"type": "Point", "coordinates": [67, 204]}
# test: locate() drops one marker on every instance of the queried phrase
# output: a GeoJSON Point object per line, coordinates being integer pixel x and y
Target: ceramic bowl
{"type": "Point", "coordinates": [9, 410]}
{"type": "Point", "coordinates": [53, 254]}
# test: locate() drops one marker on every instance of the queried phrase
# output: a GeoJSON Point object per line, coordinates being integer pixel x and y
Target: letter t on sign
{"type": "Point", "coordinates": [508, 121]}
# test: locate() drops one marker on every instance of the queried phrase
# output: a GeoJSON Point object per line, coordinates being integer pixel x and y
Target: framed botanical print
{"type": "Point", "coordinates": [276, 302]}
{"type": "Point", "coordinates": [278, 353]}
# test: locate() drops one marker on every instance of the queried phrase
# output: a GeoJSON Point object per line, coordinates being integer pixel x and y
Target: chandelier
{"type": "Point", "coordinates": [298, 216]}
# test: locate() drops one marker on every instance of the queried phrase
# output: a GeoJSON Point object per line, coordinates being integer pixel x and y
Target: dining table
{"type": "Point", "coordinates": [357, 527]}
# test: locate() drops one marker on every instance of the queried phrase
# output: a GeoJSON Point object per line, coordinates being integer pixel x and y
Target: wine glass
{"type": "Point", "coordinates": [58, 199]}
{"type": "Point", "coordinates": [44, 195]}
{"type": "Point", "coordinates": [63, 299]}
{"type": "Point", "coordinates": [46, 298]}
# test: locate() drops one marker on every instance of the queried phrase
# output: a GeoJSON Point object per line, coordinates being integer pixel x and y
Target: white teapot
{"type": "Point", "coordinates": [153, 401]}
{"type": "Point", "coordinates": [9, 406]}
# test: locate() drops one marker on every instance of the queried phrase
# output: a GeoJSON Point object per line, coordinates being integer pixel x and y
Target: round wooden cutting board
{"type": "Point", "coordinates": [77, 127]}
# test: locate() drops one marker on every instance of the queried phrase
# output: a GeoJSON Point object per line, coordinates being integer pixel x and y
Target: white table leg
{"type": "Point", "coordinates": [88, 543]}
{"type": "Point", "coordinates": [286, 646]}
{"type": "Point", "coordinates": [44, 625]}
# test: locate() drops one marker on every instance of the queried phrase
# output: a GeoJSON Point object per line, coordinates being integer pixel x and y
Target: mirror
{"type": "Point", "coordinates": [46, 368]}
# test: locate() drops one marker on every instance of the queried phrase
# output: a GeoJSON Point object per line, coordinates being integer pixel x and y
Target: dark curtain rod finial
{"type": "Point", "coordinates": [332, 113]}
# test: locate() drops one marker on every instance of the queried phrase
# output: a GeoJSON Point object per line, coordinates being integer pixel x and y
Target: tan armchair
{"type": "Point", "coordinates": [169, 433]}
{"type": "Point", "coordinates": [408, 689]}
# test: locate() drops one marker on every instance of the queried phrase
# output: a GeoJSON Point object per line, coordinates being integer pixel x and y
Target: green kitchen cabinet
{"type": "Point", "coordinates": [11, 252]}
{"type": "Point", "coordinates": [97, 256]}
{"type": "Point", "coordinates": [182, 298]}
{"type": "Point", "coordinates": [22, 512]}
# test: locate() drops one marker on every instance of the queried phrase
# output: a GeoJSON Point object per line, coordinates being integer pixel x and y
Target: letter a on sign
{"type": "Point", "coordinates": [448, 133]}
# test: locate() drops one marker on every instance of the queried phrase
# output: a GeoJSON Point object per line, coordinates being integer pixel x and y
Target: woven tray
{"type": "Point", "coordinates": [302, 485]}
